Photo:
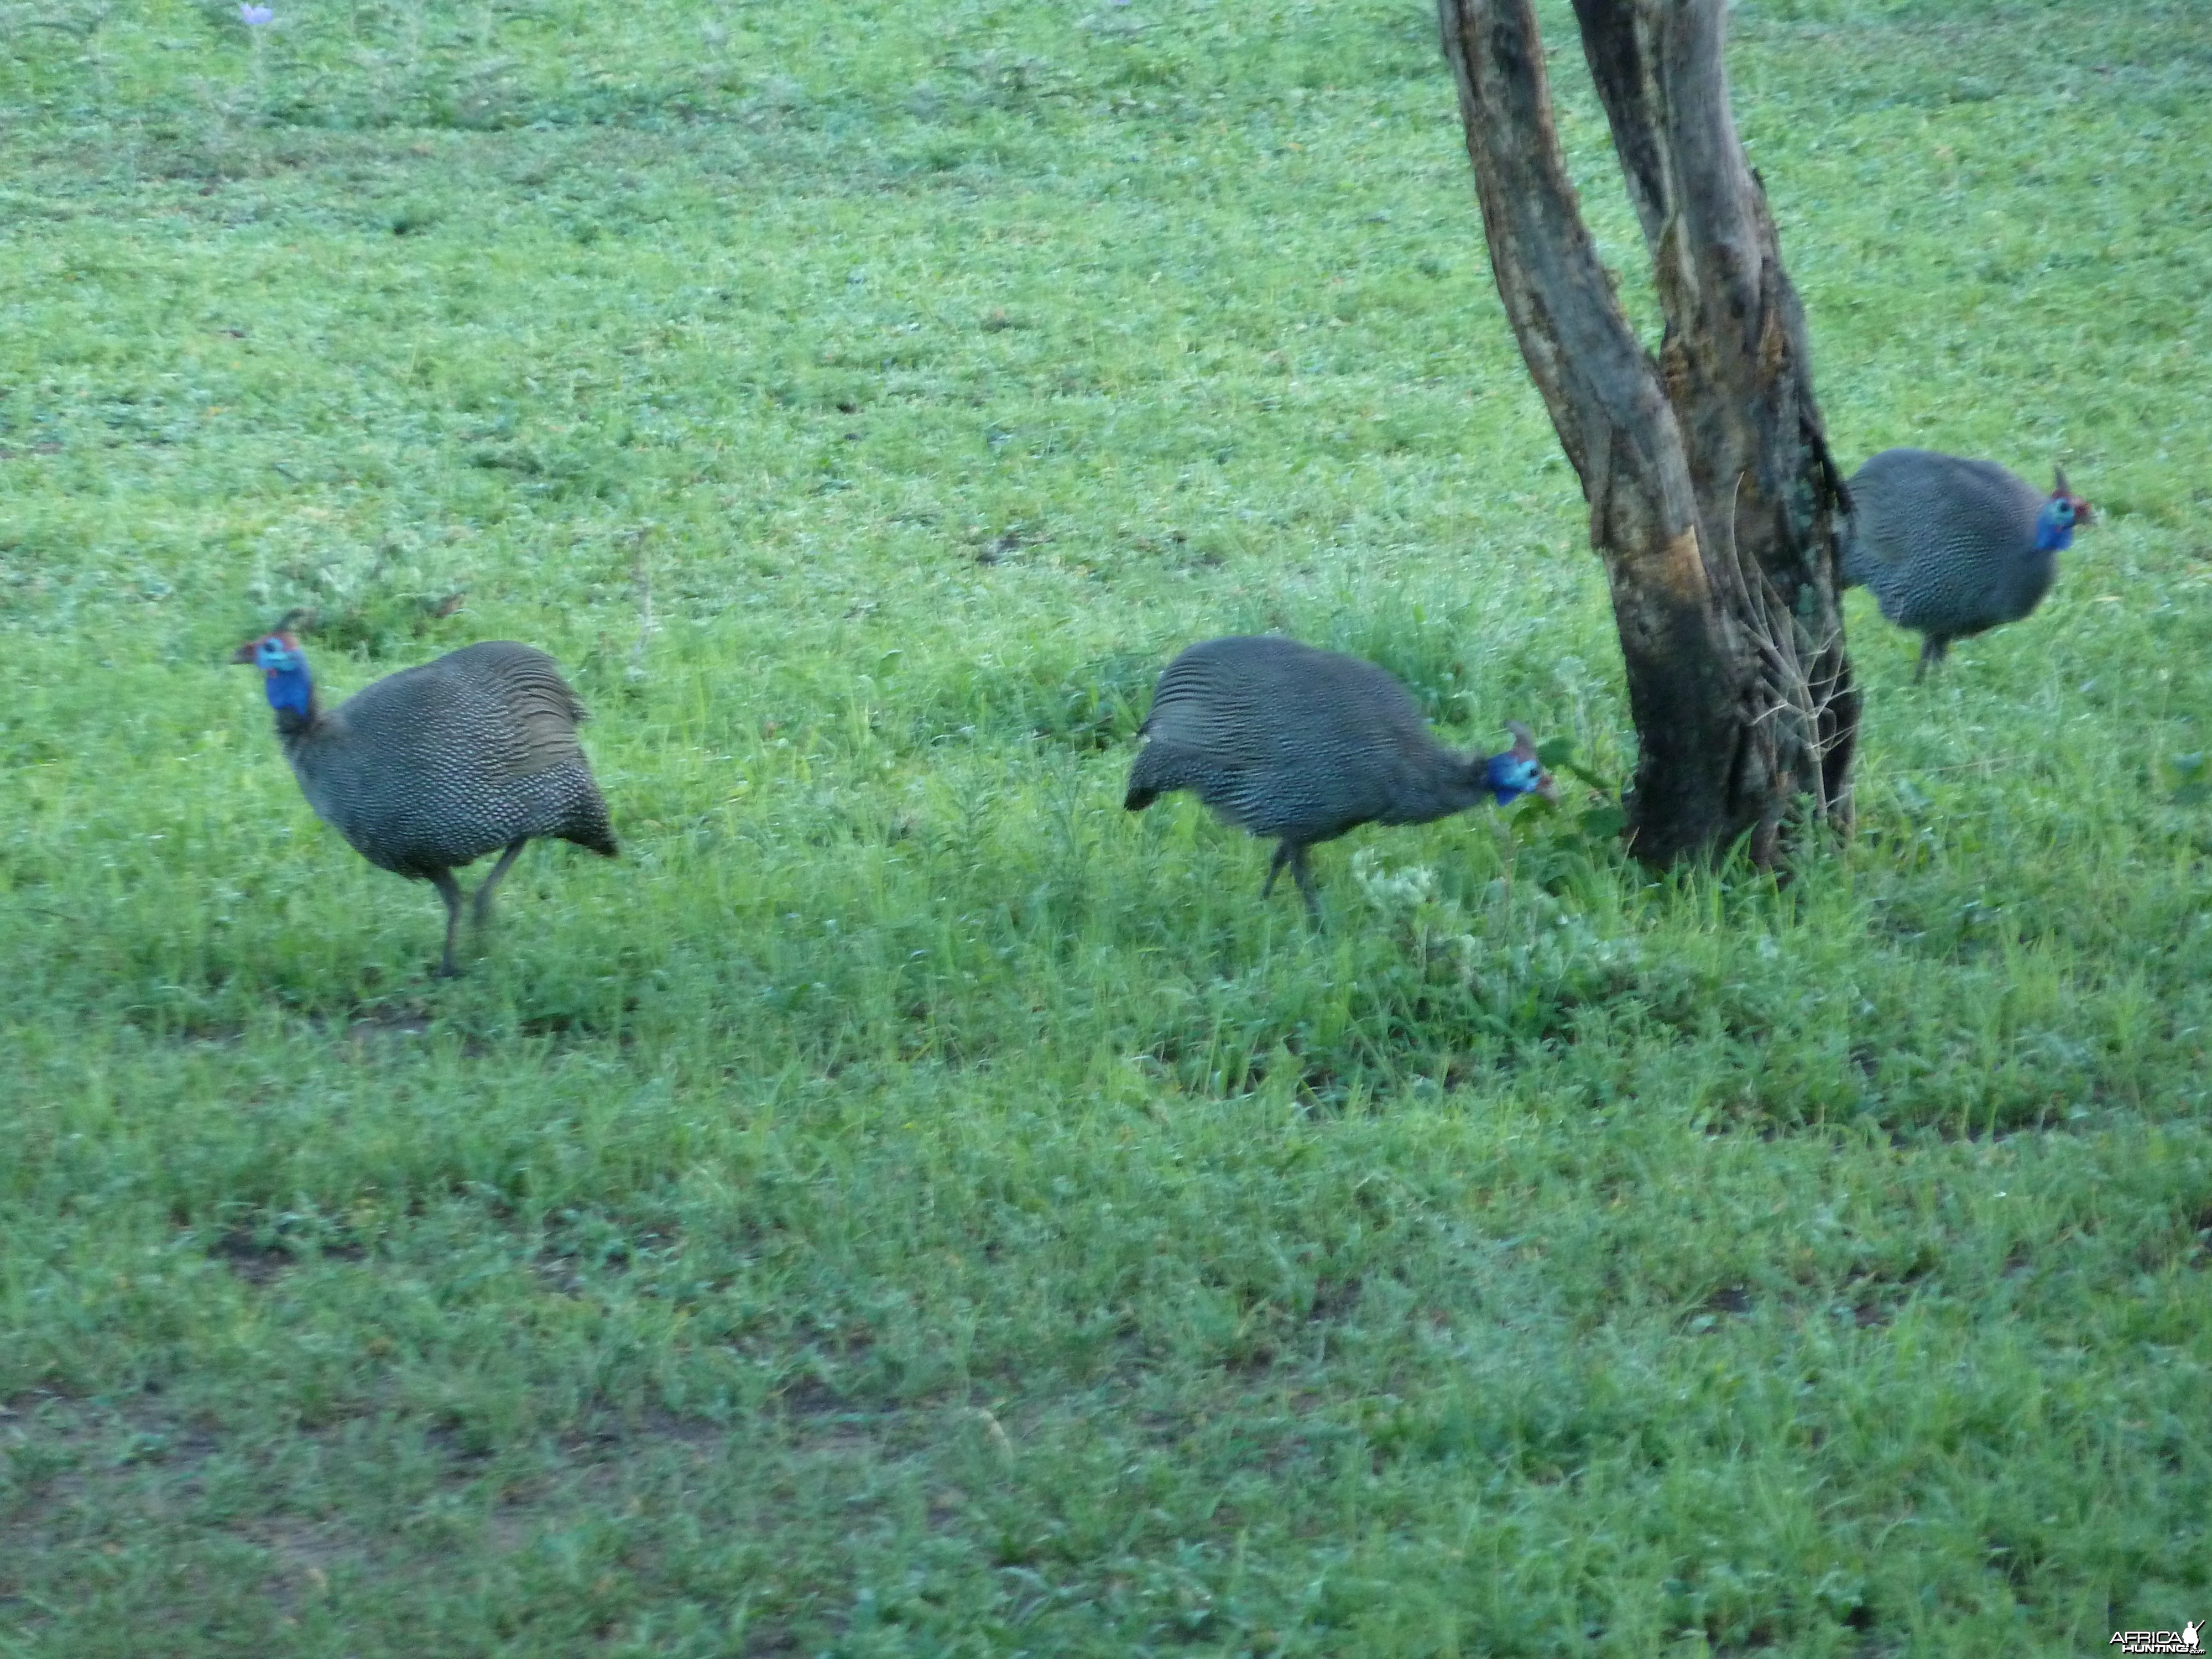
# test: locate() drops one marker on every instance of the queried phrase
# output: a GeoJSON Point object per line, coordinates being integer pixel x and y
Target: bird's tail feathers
{"type": "Point", "coordinates": [1858, 568]}
{"type": "Point", "coordinates": [1153, 775]}
{"type": "Point", "coordinates": [589, 828]}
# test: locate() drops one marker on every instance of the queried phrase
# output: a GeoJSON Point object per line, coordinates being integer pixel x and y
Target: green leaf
{"type": "Point", "coordinates": [1602, 822]}
{"type": "Point", "coordinates": [1555, 751]}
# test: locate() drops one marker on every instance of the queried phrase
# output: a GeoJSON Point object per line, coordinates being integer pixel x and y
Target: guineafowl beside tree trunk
{"type": "Point", "coordinates": [1284, 741]}
{"type": "Point", "coordinates": [432, 768]}
{"type": "Point", "coordinates": [1951, 547]}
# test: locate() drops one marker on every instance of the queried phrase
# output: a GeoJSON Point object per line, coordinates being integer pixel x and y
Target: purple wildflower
{"type": "Point", "coordinates": [255, 17]}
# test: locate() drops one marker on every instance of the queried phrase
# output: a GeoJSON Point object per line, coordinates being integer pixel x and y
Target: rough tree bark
{"type": "Point", "coordinates": [1713, 500]}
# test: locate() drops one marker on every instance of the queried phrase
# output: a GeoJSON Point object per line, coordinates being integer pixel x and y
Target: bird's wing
{"type": "Point", "coordinates": [541, 711]}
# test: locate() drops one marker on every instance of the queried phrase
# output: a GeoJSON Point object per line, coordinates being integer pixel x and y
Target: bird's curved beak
{"type": "Point", "coordinates": [2083, 513]}
{"type": "Point", "coordinates": [1548, 787]}
{"type": "Point", "coordinates": [245, 652]}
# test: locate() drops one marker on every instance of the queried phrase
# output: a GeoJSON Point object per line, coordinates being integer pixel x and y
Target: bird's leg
{"type": "Point", "coordinates": [1304, 875]}
{"type": "Point", "coordinates": [1275, 867]}
{"type": "Point", "coordinates": [1932, 647]}
{"type": "Point", "coordinates": [450, 890]}
{"type": "Point", "coordinates": [483, 906]}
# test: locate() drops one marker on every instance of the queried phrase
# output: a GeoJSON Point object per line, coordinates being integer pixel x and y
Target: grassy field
{"type": "Point", "coordinates": [908, 1205]}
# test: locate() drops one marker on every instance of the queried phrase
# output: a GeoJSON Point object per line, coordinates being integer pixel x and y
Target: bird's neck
{"type": "Point", "coordinates": [2053, 537]}
{"type": "Point", "coordinates": [298, 707]}
{"type": "Point", "coordinates": [1470, 785]}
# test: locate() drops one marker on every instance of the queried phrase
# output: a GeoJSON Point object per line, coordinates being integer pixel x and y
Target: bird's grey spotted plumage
{"type": "Point", "coordinates": [1950, 547]}
{"type": "Point", "coordinates": [1286, 741]}
{"type": "Point", "coordinates": [434, 766]}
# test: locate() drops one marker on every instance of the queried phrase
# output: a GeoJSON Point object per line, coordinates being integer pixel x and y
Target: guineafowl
{"type": "Point", "coordinates": [434, 766]}
{"type": "Point", "coordinates": [1949, 547]}
{"type": "Point", "coordinates": [1285, 740]}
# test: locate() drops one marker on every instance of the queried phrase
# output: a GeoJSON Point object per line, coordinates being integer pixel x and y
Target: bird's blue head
{"type": "Point", "coordinates": [1517, 772]}
{"type": "Point", "coordinates": [2062, 512]}
{"type": "Point", "coordinates": [284, 669]}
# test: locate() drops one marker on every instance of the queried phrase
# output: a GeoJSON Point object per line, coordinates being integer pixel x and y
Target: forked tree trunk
{"type": "Point", "coordinates": [1712, 497]}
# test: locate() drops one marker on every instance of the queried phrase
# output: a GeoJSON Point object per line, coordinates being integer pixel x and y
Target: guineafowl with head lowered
{"type": "Point", "coordinates": [1301, 744]}
{"type": "Point", "coordinates": [434, 766]}
{"type": "Point", "coordinates": [1951, 547]}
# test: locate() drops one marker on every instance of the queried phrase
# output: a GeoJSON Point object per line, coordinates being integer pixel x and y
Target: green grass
{"type": "Point", "coordinates": [908, 1205]}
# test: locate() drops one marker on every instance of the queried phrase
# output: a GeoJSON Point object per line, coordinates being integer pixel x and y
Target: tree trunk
{"type": "Point", "coordinates": [1713, 500]}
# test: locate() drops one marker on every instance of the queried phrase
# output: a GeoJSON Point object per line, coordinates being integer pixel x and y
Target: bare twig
{"type": "Point", "coordinates": [1795, 697]}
